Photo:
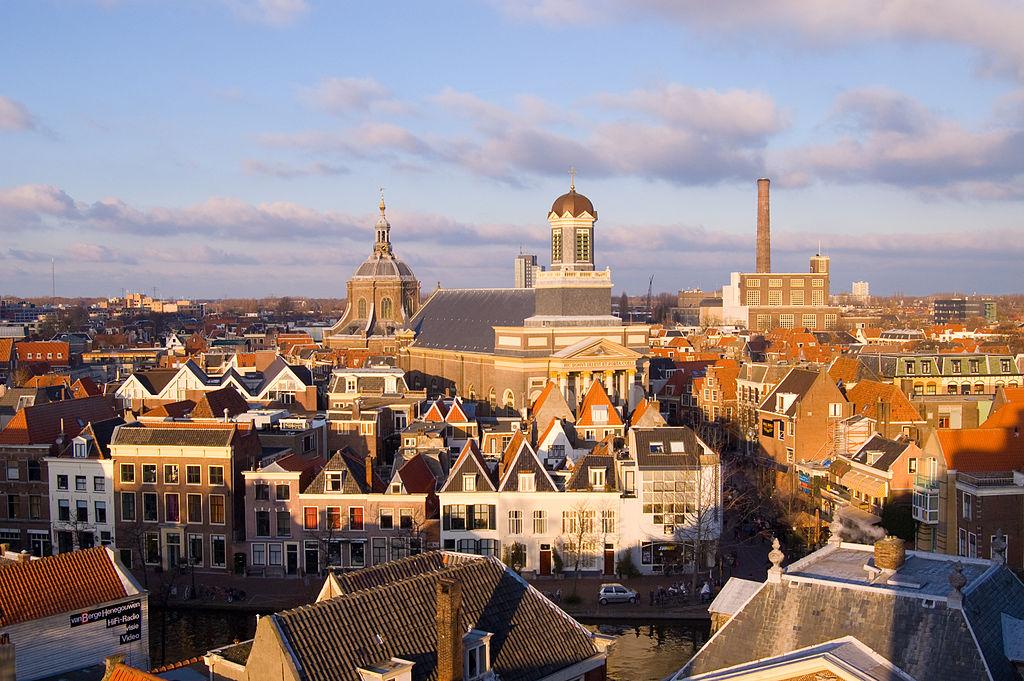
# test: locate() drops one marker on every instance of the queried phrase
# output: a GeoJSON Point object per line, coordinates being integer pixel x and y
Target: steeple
{"type": "Point", "coordinates": [382, 245]}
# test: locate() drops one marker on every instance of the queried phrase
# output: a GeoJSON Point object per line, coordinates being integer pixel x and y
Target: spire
{"type": "Point", "coordinates": [572, 178]}
{"type": "Point", "coordinates": [382, 243]}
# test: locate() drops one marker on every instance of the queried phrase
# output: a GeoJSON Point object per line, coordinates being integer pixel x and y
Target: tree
{"type": "Point", "coordinates": [285, 306]}
{"type": "Point", "coordinates": [514, 555]}
{"type": "Point", "coordinates": [703, 527]}
{"type": "Point", "coordinates": [580, 538]}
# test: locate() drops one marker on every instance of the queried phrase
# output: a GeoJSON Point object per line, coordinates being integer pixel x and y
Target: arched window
{"type": "Point", "coordinates": [508, 400]}
{"type": "Point", "coordinates": [951, 388]}
{"type": "Point", "coordinates": [492, 398]}
{"type": "Point", "coordinates": [470, 392]}
{"type": "Point", "coordinates": [929, 389]}
{"type": "Point", "coordinates": [385, 308]}
{"type": "Point", "coordinates": [362, 308]}
{"type": "Point", "coordinates": [979, 388]}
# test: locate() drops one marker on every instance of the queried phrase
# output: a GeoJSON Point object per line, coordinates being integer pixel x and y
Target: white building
{"type": "Point", "coordinates": [82, 490]}
{"type": "Point", "coordinates": [861, 291]}
{"type": "Point", "coordinates": [53, 625]}
{"type": "Point", "coordinates": [652, 502]}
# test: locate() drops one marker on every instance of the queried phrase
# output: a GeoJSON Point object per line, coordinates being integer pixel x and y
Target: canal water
{"type": "Point", "coordinates": [642, 652]}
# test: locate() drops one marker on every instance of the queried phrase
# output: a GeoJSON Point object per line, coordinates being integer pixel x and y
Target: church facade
{"type": "Point", "coordinates": [383, 295]}
{"type": "Point", "coordinates": [502, 346]}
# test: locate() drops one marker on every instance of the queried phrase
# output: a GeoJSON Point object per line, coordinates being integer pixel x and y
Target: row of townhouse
{"type": "Point", "coordinates": [654, 500]}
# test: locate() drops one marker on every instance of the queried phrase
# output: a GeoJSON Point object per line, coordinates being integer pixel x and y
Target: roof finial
{"type": "Point", "coordinates": [572, 178]}
{"type": "Point", "coordinates": [776, 557]}
{"type": "Point", "coordinates": [382, 200]}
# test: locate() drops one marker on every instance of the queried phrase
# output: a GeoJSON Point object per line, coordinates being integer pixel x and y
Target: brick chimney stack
{"type": "Point", "coordinates": [7, 660]}
{"type": "Point", "coordinates": [890, 553]}
{"type": "Point", "coordinates": [764, 235]}
{"type": "Point", "coordinates": [449, 633]}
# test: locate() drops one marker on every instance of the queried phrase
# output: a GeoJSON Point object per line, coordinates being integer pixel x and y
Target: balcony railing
{"type": "Point", "coordinates": [986, 479]}
{"type": "Point", "coordinates": [926, 483]}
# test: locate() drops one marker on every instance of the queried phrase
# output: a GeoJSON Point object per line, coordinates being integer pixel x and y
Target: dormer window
{"type": "Point", "coordinates": [527, 482]}
{"type": "Point", "coordinates": [657, 448]}
{"type": "Point", "coordinates": [80, 450]}
{"type": "Point", "coordinates": [350, 385]}
{"type": "Point", "coordinates": [396, 488]}
{"type": "Point", "coordinates": [335, 480]}
{"type": "Point", "coordinates": [597, 478]}
{"type": "Point", "coordinates": [469, 482]}
{"type": "Point", "coordinates": [599, 413]}
{"type": "Point", "coordinates": [477, 656]}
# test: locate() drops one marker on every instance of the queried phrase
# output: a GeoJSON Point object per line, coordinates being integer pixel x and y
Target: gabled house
{"type": "Point", "coordinates": [598, 417]}
{"type": "Point", "coordinates": [889, 407]}
{"type": "Point", "coordinates": [549, 406]}
{"type": "Point", "coordinates": [879, 473]}
{"type": "Point", "coordinates": [647, 414]}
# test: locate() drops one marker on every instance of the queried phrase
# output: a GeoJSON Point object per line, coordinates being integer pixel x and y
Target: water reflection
{"type": "Point", "coordinates": [650, 652]}
{"type": "Point", "coordinates": [642, 652]}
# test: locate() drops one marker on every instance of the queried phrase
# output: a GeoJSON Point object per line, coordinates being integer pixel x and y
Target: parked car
{"type": "Point", "coordinates": [616, 593]}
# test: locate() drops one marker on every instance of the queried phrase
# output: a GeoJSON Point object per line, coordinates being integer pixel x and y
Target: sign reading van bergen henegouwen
{"type": "Point", "coordinates": [128, 615]}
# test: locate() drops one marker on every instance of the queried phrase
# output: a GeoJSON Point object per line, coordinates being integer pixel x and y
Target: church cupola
{"type": "Point", "coordinates": [572, 219]}
{"type": "Point", "coordinates": [382, 244]}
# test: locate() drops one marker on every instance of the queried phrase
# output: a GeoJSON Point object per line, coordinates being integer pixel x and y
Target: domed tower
{"type": "Point", "coordinates": [572, 217]}
{"type": "Point", "coordinates": [573, 292]}
{"type": "Point", "coordinates": [383, 293]}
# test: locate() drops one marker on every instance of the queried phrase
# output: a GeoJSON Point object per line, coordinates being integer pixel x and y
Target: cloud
{"type": "Point", "coordinates": [276, 13]}
{"type": "Point", "coordinates": [888, 138]}
{"type": "Point", "coordinates": [991, 28]}
{"type": "Point", "coordinates": [347, 95]}
{"type": "Point", "coordinates": [15, 117]}
{"type": "Point", "coordinates": [288, 172]}
{"type": "Point", "coordinates": [683, 135]}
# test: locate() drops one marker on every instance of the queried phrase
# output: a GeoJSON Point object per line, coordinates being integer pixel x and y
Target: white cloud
{"type": "Point", "coordinates": [991, 28]}
{"type": "Point", "coordinates": [347, 95]}
{"type": "Point", "coordinates": [269, 12]}
{"type": "Point", "coordinates": [285, 171]}
{"type": "Point", "coordinates": [14, 116]}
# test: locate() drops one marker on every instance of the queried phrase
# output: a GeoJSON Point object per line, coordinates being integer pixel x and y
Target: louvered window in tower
{"type": "Point", "coordinates": [582, 246]}
{"type": "Point", "coordinates": [556, 246]}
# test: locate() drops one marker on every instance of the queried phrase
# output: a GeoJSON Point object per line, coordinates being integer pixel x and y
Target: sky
{"type": "Point", "coordinates": [225, 148]}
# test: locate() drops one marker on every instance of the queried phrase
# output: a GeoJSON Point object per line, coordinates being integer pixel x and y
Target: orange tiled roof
{"type": "Point", "coordinates": [597, 396]}
{"type": "Point", "coordinates": [69, 582]}
{"type": "Point", "coordinates": [6, 349]}
{"type": "Point", "coordinates": [47, 381]}
{"type": "Point", "coordinates": [866, 395]}
{"type": "Point", "coordinates": [28, 349]}
{"type": "Point", "coordinates": [845, 369]}
{"type": "Point", "coordinates": [122, 672]}
{"type": "Point", "coordinates": [1010, 415]}
{"type": "Point", "coordinates": [41, 423]}
{"type": "Point", "coordinates": [85, 387]}
{"type": "Point", "coordinates": [175, 410]}
{"type": "Point", "coordinates": [976, 450]}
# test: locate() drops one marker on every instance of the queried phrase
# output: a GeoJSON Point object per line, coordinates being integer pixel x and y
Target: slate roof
{"type": "Point", "coordinates": [683, 437]}
{"type": "Point", "coordinates": [390, 611]}
{"type": "Point", "coordinates": [155, 436]}
{"type": "Point", "coordinates": [463, 319]}
{"type": "Point", "coordinates": [100, 433]}
{"type": "Point", "coordinates": [155, 380]}
{"type": "Point", "coordinates": [524, 460]}
{"type": "Point", "coordinates": [470, 461]}
{"type": "Point", "coordinates": [353, 480]}
{"type": "Point", "coordinates": [930, 644]}
{"type": "Point", "coordinates": [214, 403]}
{"type": "Point", "coordinates": [579, 481]}
{"type": "Point", "coordinates": [890, 452]}
{"type": "Point", "coordinates": [798, 381]}
{"type": "Point", "coordinates": [904, 617]}
{"type": "Point", "coordinates": [69, 582]}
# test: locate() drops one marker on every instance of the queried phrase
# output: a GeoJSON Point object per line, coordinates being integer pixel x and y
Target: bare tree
{"type": "Point", "coordinates": [579, 538]}
{"type": "Point", "coordinates": [702, 530]}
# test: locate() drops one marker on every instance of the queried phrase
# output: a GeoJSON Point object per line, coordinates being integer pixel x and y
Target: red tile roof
{"type": "Point", "coordinates": [174, 410]}
{"type": "Point", "coordinates": [27, 351]}
{"type": "Point", "coordinates": [866, 395]}
{"type": "Point", "coordinates": [595, 397]}
{"type": "Point", "coordinates": [122, 672]}
{"type": "Point", "coordinates": [85, 387]}
{"type": "Point", "coordinates": [214, 403]}
{"type": "Point", "coordinates": [69, 582]}
{"type": "Point", "coordinates": [6, 349]}
{"type": "Point", "coordinates": [977, 450]}
{"type": "Point", "coordinates": [41, 424]}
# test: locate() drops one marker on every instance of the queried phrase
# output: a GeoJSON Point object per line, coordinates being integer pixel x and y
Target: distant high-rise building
{"type": "Point", "coordinates": [526, 265]}
{"type": "Point", "coordinates": [861, 291]}
{"type": "Point", "coordinates": [945, 310]}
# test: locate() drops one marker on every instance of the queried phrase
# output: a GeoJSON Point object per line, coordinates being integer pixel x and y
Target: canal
{"type": "Point", "coordinates": [642, 652]}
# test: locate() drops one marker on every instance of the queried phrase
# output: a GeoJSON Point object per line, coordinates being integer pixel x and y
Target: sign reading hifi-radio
{"type": "Point", "coordinates": [127, 614]}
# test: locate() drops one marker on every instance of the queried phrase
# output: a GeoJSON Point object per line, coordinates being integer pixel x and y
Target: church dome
{"type": "Point", "coordinates": [577, 204]}
{"type": "Point", "coordinates": [384, 267]}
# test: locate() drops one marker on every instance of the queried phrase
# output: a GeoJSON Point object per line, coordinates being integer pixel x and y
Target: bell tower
{"type": "Point", "coordinates": [382, 243]}
{"type": "Point", "coordinates": [572, 217]}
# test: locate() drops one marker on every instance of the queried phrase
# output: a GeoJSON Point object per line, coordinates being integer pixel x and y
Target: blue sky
{"type": "Point", "coordinates": [235, 147]}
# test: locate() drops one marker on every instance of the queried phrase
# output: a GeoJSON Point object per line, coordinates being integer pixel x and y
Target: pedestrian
{"type": "Point", "coordinates": [705, 592]}
{"type": "Point", "coordinates": [652, 598]}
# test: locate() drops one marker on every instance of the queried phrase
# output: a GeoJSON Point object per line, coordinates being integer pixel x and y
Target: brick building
{"type": "Point", "coordinates": [180, 492]}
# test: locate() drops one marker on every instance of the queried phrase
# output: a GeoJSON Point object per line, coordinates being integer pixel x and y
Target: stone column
{"type": "Point", "coordinates": [609, 387]}
{"type": "Point", "coordinates": [623, 389]}
{"type": "Point", "coordinates": [630, 379]}
{"type": "Point", "coordinates": [563, 384]}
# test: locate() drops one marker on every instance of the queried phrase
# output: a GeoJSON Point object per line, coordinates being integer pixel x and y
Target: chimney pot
{"type": "Point", "coordinates": [890, 553]}
{"type": "Point", "coordinates": [24, 556]}
{"type": "Point", "coordinates": [4, 548]}
{"type": "Point", "coordinates": [111, 661]}
{"type": "Point", "coordinates": [449, 633]}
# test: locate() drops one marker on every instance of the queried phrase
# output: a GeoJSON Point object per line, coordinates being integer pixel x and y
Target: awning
{"type": "Point", "coordinates": [865, 484]}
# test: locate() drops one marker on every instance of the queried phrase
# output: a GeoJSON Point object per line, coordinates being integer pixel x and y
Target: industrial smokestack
{"type": "Point", "coordinates": [764, 235]}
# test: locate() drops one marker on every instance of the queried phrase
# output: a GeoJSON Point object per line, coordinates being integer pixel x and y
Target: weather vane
{"type": "Point", "coordinates": [572, 178]}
